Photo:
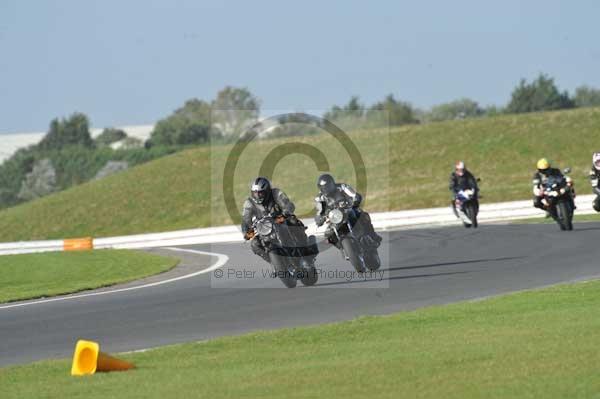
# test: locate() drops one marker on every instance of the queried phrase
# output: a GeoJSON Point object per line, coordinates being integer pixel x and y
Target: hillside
{"type": "Point", "coordinates": [406, 167]}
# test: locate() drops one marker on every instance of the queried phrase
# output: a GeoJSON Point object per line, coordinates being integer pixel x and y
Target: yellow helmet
{"type": "Point", "coordinates": [543, 164]}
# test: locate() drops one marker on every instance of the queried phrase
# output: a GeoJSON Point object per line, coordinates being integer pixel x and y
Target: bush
{"type": "Point", "coordinates": [39, 182]}
{"type": "Point", "coordinates": [458, 109]}
{"type": "Point", "coordinates": [110, 135]}
{"type": "Point", "coordinates": [190, 124]}
{"type": "Point", "coordinates": [539, 95]}
{"type": "Point", "coordinates": [73, 130]}
{"type": "Point", "coordinates": [397, 112]}
{"type": "Point", "coordinates": [586, 96]}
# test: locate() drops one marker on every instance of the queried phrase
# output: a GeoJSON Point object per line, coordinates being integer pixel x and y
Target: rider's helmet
{"type": "Point", "coordinates": [459, 168]}
{"type": "Point", "coordinates": [326, 184]}
{"type": "Point", "coordinates": [543, 165]}
{"type": "Point", "coordinates": [260, 189]}
{"type": "Point", "coordinates": [596, 160]}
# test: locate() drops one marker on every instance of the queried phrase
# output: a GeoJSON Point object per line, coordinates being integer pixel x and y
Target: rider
{"type": "Point", "coordinates": [462, 179]}
{"type": "Point", "coordinates": [332, 194]}
{"type": "Point", "coordinates": [267, 200]}
{"type": "Point", "coordinates": [594, 179]}
{"type": "Point", "coordinates": [544, 171]}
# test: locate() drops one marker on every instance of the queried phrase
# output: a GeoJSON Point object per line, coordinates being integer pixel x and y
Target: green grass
{"type": "Point", "coordinates": [407, 168]}
{"type": "Point", "coordinates": [594, 217]}
{"type": "Point", "coordinates": [536, 344]}
{"type": "Point", "coordinates": [49, 274]}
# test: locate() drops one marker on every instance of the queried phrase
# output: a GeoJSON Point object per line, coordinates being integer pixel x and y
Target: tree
{"type": "Point", "coordinates": [39, 182]}
{"type": "Point", "coordinates": [110, 135]}
{"type": "Point", "coordinates": [458, 109]}
{"type": "Point", "coordinates": [234, 110]}
{"type": "Point", "coordinates": [190, 124]}
{"type": "Point", "coordinates": [586, 96]}
{"type": "Point", "coordinates": [73, 130]}
{"type": "Point", "coordinates": [397, 112]}
{"type": "Point", "coordinates": [539, 95]}
{"type": "Point", "coordinates": [354, 109]}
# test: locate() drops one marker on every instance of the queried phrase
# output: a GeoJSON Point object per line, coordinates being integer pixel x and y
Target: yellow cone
{"type": "Point", "coordinates": [88, 359]}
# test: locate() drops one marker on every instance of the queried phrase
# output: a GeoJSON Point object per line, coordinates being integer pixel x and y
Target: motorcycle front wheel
{"type": "Point", "coordinates": [470, 212]}
{"type": "Point", "coordinates": [279, 263]}
{"type": "Point", "coordinates": [353, 253]}
{"type": "Point", "coordinates": [564, 217]}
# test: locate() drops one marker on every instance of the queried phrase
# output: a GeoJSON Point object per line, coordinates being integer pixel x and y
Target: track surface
{"type": "Point", "coordinates": [421, 267]}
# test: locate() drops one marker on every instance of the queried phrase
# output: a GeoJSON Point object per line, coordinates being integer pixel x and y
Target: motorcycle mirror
{"type": "Point", "coordinates": [567, 170]}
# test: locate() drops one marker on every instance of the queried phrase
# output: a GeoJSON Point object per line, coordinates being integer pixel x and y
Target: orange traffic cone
{"type": "Point", "coordinates": [88, 359]}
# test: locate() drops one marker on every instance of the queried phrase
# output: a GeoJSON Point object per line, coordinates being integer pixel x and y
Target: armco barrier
{"type": "Point", "coordinates": [382, 221]}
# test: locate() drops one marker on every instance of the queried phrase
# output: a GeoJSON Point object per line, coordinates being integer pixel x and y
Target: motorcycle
{"type": "Point", "coordinates": [285, 250]}
{"type": "Point", "coordinates": [466, 205]}
{"type": "Point", "coordinates": [558, 199]}
{"type": "Point", "coordinates": [351, 238]}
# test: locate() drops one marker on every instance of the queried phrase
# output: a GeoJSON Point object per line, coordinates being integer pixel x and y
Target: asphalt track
{"type": "Point", "coordinates": [420, 268]}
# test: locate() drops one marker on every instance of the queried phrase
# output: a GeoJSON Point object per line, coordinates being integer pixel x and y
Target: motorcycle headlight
{"type": "Point", "coordinates": [264, 228]}
{"type": "Point", "coordinates": [335, 216]}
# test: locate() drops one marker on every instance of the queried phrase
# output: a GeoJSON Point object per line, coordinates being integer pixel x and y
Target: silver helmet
{"type": "Point", "coordinates": [260, 189]}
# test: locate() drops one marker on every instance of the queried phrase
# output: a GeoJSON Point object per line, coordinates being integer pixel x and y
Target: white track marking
{"type": "Point", "coordinates": [221, 261]}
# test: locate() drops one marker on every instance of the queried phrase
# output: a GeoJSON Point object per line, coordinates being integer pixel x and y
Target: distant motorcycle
{"type": "Point", "coordinates": [467, 207]}
{"type": "Point", "coordinates": [558, 198]}
{"type": "Point", "coordinates": [351, 238]}
{"type": "Point", "coordinates": [285, 250]}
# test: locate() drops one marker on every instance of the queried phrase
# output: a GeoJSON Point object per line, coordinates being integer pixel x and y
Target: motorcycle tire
{"type": "Point", "coordinates": [470, 212]}
{"type": "Point", "coordinates": [565, 216]}
{"type": "Point", "coordinates": [353, 253]}
{"type": "Point", "coordinates": [287, 278]}
{"type": "Point", "coordinates": [310, 276]}
{"type": "Point", "coordinates": [372, 260]}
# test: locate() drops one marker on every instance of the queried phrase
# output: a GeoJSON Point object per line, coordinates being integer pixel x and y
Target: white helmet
{"type": "Point", "coordinates": [596, 160]}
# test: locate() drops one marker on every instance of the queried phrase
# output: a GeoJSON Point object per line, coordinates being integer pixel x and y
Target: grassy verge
{"type": "Point", "coordinates": [595, 217]}
{"type": "Point", "coordinates": [49, 274]}
{"type": "Point", "coordinates": [541, 344]}
{"type": "Point", "coordinates": [407, 168]}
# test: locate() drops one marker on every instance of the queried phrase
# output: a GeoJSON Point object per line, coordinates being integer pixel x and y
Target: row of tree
{"type": "Point", "coordinates": [68, 155]}
{"type": "Point", "coordinates": [199, 121]}
{"type": "Point", "coordinates": [541, 94]}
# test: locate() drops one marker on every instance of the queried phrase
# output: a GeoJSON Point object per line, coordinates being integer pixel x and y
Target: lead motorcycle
{"type": "Point", "coordinates": [285, 249]}
{"type": "Point", "coordinates": [351, 238]}
{"type": "Point", "coordinates": [558, 198]}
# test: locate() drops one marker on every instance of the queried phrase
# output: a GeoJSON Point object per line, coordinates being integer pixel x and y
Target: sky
{"type": "Point", "coordinates": [134, 62]}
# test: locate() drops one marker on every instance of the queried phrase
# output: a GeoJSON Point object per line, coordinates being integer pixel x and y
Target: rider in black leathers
{"type": "Point", "coordinates": [330, 195]}
{"type": "Point", "coordinates": [595, 179]}
{"type": "Point", "coordinates": [462, 179]}
{"type": "Point", "coordinates": [267, 200]}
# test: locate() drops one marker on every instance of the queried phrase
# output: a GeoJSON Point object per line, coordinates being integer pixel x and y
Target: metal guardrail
{"type": "Point", "coordinates": [382, 221]}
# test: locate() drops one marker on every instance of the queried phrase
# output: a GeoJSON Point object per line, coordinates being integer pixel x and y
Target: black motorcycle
{"type": "Point", "coordinates": [285, 245]}
{"type": "Point", "coordinates": [558, 198]}
{"type": "Point", "coordinates": [351, 238]}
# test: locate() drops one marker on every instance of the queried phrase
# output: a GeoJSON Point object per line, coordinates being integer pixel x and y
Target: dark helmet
{"type": "Point", "coordinates": [260, 189]}
{"type": "Point", "coordinates": [326, 184]}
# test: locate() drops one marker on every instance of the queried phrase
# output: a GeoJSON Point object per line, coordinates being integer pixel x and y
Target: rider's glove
{"type": "Point", "coordinates": [249, 235]}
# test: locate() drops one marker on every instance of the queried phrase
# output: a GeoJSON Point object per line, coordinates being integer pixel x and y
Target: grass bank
{"type": "Point", "coordinates": [406, 168]}
{"type": "Point", "coordinates": [536, 344]}
{"type": "Point", "coordinates": [54, 273]}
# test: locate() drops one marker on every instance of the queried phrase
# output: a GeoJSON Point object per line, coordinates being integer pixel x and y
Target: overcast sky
{"type": "Point", "coordinates": [133, 62]}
